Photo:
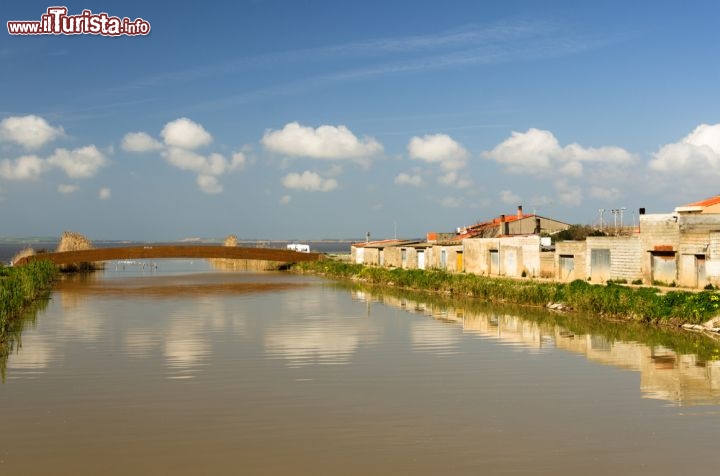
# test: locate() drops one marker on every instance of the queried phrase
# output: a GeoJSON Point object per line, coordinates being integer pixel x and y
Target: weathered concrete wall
{"type": "Point", "coordinates": [694, 250]}
{"type": "Point", "coordinates": [451, 260]}
{"type": "Point", "coordinates": [516, 255]}
{"type": "Point", "coordinates": [659, 233]}
{"type": "Point", "coordinates": [575, 253]}
{"type": "Point", "coordinates": [357, 254]}
{"type": "Point", "coordinates": [476, 254]}
{"type": "Point", "coordinates": [712, 265]}
{"type": "Point", "coordinates": [372, 256]}
{"type": "Point", "coordinates": [392, 256]}
{"type": "Point", "coordinates": [625, 257]}
{"type": "Point", "coordinates": [547, 264]}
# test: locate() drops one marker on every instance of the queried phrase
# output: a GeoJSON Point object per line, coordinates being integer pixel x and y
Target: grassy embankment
{"type": "Point", "coordinates": [611, 301]}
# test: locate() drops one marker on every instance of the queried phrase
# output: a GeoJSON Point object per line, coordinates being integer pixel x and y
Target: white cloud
{"type": "Point", "coordinates": [325, 142]}
{"type": "Point", "coordinates": [78, 163]}
{"type": "Point", "coordinates": [67, 189]}
{"type": "Point", "coordinates": [440, 149]}
{"type": "Point", "coordinates": [213, 164]}
{"type": "Point", "coordinates": [407, 179]}
{"type": "Point", "coordinates": [285, 199]}
{"type": "Point", "coordinates": [180, 138]}
{"type": "Point", "coordinates": [572, 169]}
{"type": "Point", "coordinates": [698, 151]}
{"type": "Point", "coordinates": [209, 184]}
{"type": "Point", "coordinates": [104, 193]}
{"type": "Point", "coordinates": [506, 196]}
{"type": "Point", "coordinates": [27, 167]}
{"type": "Point", "coordinates": [453, 179]}
{"type": "Point", "coordinates": [32, 132]}
{"type": "Point", "coordinates": [537, 151]}
{"type": "Point", "coordinates": [238, 161]}
{"type": "Point", "coordinates": [309, 182]}
{"type": "Point", "coordinates": [185, 134]}
{"type": "Point", "coordinates": [140, 142]}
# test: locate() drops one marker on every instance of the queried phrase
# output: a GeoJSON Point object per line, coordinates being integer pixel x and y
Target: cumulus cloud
{"type": "Point", "coordinates": [325, 142]}
{"type": "Point", "coordinates": [78, 163]}
{"type": "Point", "coordinates": [537, 151]}
{"type": "Point", "coordinates": [209, 184]}
{"type": "Point", "coordinates": [31, 132]}
{"type": "Point", "coordinates": [104, 193]}
{"type": "Point", "coordinates": [453, 179]}
{"type": "Point", "coordinates": [238, 161]}
{"type": "Point", "coordinates": [407, 179]}
{"type": "Point", "coordinates": [285, 199]}
{"type": "Point", "coordinates": [438, 149]}
{"type": "Point", "coordinates": [27, 167]}
{"type": "Point", "coordinates": [699, 150]}
{"type": "Point", "coordinates": [506, 196]}
{"type": "Point", "coordinates": [211, 165]}
{"type": "Point", "coordinates": [185, 134]}
{"type": "Point", "coordinates": [67, 189]}
{"type": "Point", "coordinates": [180, 139]}
{"type": "Point", "coordinates": [309, 182]}
{"type": "Point", "coordinates": [140, 142]}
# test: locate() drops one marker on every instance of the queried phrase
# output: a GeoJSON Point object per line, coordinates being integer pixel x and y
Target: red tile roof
{"type": "Point", "coordinates": [705, 203]}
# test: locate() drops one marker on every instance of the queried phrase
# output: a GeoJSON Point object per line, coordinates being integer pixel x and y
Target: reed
{"type": "Point", "coordinates": [19, 286]}
{"type": "Point", "coordinates": [612, 300]}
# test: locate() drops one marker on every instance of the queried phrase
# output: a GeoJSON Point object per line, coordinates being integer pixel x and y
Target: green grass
{"type": "Point", "coordinates": [611, 300]}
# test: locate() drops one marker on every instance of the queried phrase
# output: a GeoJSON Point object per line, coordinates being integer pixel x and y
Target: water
{"type": "Point", "coordinates": [185, 370]}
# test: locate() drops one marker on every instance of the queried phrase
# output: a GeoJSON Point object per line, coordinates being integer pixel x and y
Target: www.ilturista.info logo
{"type": "Point", "coordinates": [57, 22]}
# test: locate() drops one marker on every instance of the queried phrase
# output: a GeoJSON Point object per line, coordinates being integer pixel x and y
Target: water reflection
{"type": "Point", "coordinates": [11, 340]}
{"type": "Point", "coordinates": [313, 334]}
{"type": "Point", "coordinates": [666, 374]}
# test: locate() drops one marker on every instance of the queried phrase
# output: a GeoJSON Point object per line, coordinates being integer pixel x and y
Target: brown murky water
{"type": "Point", "coordinates": [169, 372]}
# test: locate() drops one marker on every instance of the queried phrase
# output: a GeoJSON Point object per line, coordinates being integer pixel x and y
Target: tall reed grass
{"type": "Point", "coordinates": [19, 286]}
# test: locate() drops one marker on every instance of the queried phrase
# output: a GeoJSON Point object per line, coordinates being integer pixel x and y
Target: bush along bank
{"type": "Point", "coordinates": [613, 301]}
{"type": "Point", "coordinates": [20, 286]}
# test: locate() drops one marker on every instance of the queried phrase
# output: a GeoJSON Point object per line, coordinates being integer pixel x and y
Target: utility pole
{"type": "Point", "coordinates": [622, 223]}
{"type": "Point", "coordinates": [615, 212]}
{"type": "Point", "coordinates": [602, 212]}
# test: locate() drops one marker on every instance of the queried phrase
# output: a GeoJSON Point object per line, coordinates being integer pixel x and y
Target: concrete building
{"type": "Point", "coordinates": [570, 259]}
{"type": "Point", "coordinates": [513, 224]}
{"type": "Point", "coordinates": [613, 258]}
{"type": "Point", "coordinates": [509, 256]}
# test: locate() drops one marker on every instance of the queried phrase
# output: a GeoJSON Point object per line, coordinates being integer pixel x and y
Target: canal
{"type": "Point", "coordinates": [183, 368]}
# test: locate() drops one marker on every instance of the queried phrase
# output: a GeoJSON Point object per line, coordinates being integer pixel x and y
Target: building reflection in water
{"type": "Point", "coordinates": [681, 379]}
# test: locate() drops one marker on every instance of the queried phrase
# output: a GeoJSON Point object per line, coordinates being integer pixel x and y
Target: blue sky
{"type": "Point", "coordinates": [328, 119]}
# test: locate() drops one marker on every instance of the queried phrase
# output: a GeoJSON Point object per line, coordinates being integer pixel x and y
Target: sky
{"type": "Point", "coordinates": [279, 119]}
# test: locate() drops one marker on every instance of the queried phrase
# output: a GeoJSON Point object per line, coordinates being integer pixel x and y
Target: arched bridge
{"type": "Point", "coordinates": [171, 251]}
